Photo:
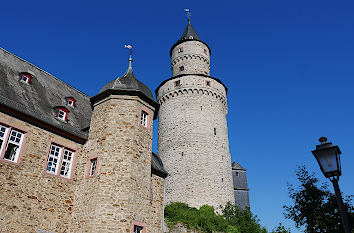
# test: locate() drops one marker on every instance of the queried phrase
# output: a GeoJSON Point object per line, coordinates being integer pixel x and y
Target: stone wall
{"type": "Point", "coordinates": [30, 198]}
{"type": "Point", "coordinates": [193, 56]}
{"type": "Point", "coordinates": [193, 141]}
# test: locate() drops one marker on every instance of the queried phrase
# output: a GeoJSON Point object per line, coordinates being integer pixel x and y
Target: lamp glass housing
{"type": "Point", "coordinates": [329, 160]}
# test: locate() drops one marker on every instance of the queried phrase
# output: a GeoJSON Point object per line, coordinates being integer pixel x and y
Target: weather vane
{"type": "Point", "coordinates": [188, 14]}
{"type": "Point", "coordinates": [130, 47]}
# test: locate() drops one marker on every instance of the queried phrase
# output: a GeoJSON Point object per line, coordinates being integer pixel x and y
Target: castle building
{"type": "Point", "coordinates": [193, 136]}
{"type": "Point", "coordinates": [71, 163]}
{"type": "Point", "coordinates": [74, 163]}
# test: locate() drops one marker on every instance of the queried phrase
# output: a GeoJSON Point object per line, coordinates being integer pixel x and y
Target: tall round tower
{"type": "Point", "coordinates": [193, 137]}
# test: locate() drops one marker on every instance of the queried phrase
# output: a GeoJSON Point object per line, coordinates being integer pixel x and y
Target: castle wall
{"type": "Point", "coordinates": [193, 141]}
{"type": "Point", "coordinates": [30, 198]}
{"type": "Point", "coordinates": [120, 193]}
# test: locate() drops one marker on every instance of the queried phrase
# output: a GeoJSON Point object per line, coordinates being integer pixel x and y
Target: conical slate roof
{"type": "Point", "coordinates": [236, 166]}
{"type": "Point", "coordinates": [127, 82]}
{"type": "Point", "coordinates": [189, 33]}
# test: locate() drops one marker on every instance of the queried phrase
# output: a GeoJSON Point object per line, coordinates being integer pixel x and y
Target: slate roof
{"type": "Point", "coordinates": [236, 166]}
{"type": "Point", "coordinates": [42, 96]}
{"type": "Point", "coordinates": [128, 82]}
{"type": "Point", "coordinates": [189, 33]}
{"type": "Point", "coordinates": [157, 166]}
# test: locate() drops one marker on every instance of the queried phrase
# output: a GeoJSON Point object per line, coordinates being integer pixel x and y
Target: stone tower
{"type": "Point", "coordinates": [240, 186]}
{"type": "Point", "coordinates": [121, 139]}
{"type": "Point", "coordinates": [193, 136]}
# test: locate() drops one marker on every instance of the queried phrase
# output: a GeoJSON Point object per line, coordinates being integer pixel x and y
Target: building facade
{"type": "Point", "coordinates": [193, 136]}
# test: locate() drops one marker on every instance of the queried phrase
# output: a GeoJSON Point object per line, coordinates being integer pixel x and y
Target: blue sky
{"type": "Point", "coordinates": [288, 66]}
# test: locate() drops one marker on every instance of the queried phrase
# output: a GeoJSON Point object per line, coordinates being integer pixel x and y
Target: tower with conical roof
{"type": "Point", "coordinates": [193, 136]}
{"type": "Point", "coordinates": [120, 199]}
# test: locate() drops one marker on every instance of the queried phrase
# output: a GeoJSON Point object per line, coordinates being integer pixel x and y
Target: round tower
{"type": "Point", "coordinates": [193, 137]}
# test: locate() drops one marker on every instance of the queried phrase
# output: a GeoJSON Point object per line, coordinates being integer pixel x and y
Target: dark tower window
{"type": "Point", "coordinates": [207, 83]}
{"type": "Point", "coordinates": [178, 83]}
{"type": "Point", "coordinates": [181, 68]}
{"type": "Point", "coordinates": [180, 49]}
{"type": "Point", "coordinates": [201, 108]}
{"type": "Point", "coordinates": [237, 174]}
{"type": "Point", "coordinates": [182, 153]}
{"type": "Point", "coordinates": [214, 131]}
{"type": "Point", "coordinates": [222, 179]}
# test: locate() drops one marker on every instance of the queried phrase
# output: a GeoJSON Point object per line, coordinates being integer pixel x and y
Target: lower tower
{"type": "Point", "coordinates": [193, 136]}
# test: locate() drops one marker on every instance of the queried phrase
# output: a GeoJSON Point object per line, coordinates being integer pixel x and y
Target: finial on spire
{"type": "Point", "coordinates": [188, 14]}
{"type": "Point", "coordinates": [130, 47]}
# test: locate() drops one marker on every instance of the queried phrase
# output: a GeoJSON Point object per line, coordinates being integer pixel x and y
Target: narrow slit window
{"type": "Point", "coordinates": [178, 83]}
{"type": "Point", "coordinates": [93, 166]}
{"type": "Point", "coordinates": [207, 83]}
{"type": "Point", "coordinates": [181, 68]}
{"type": "Point", "coordinates": [144, 119]}
{"type": "Point", "coordinates": [214, 131]}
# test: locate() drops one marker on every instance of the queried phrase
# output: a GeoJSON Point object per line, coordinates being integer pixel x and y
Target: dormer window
{"type": "Point", "coordinates": [71, 102]}
{"type": "Point", "coordinates": [180, 49]}
{"type": "Point", "coordinates": [62, 114]}
{"type": "Point", "coordinates": [25, 78]}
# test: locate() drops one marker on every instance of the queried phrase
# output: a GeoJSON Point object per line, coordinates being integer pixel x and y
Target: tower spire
{"type": "Point", "coordinates": [188, 12]}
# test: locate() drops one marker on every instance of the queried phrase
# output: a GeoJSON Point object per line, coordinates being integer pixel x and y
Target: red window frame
{"type": "Point", "coordinates": [28, 76]}
{"type": "Point", "coordinates": [66, 113]}
{"type": "Point", "coordinates": [73, 100]}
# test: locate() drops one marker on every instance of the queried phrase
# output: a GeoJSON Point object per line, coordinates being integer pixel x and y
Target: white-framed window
{"type": "Point", "coordinates": [10, 143]}
{"type": "Point", "coordinates": [60, 159]}
{"type": "Point", "coordinates": [144, 118]}
{"type": "Point", "coordinates": [138, 229]}
{"type": "Point", "coordinates": [62, 114]}
{"type": "Point", "coordinates": [180, 49]}
{"type": "Point", "coordinates": [190, 37]}
{"type": "Point", "coordinates": [25, 77]}
{"type": "Point", "coordinates": [93, 166]}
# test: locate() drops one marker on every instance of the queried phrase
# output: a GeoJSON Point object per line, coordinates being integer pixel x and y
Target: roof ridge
{"type": "Point", "coordinates": [40, 69]}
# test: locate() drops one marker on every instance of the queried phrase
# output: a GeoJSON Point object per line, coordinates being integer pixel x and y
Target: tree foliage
{"type": "Point", "coordinates": [315, 207]}
{"type": "Point", "coordinates": [233, 219]}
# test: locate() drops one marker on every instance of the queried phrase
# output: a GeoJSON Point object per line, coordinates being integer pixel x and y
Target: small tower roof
{"type": "Point", "coordinates": [189, 32]}
{"type": "Point", "coordinates": [236, 166]}
{"type": "Point", "coordinates": [188, 35]}
{"type": "Point", "coordinates": [127, 82]}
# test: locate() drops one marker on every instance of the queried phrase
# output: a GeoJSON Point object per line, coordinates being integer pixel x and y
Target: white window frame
{"type": "Point", "coordinates": [71, 102]}
{"type": "Point", "coordinates": [144, 118]}
{"type": "Point", "coordinates": [60, 161]}
{"type": "Point", "coordinates": [180, 49]}
{"type": "Point", "coordinates": [64, 115]}
{"type": "Point", "coordinates": [137, 230]}
{"type": "Point", "coordinates": [14, 137]}
{"type": "Point", "coordinates": [93, 166]}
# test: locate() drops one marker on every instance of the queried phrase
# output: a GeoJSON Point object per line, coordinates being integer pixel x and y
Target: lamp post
{"type": "Point", "coordinates": [328, 157]}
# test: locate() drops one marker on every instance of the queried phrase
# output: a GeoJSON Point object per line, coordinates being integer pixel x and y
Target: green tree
{"type": "Point", "coordinates": [281, 229]}
{"type": "Point", "coordinates": [315, 207]}
{"type": "Point", "coordinates": [244, 220]}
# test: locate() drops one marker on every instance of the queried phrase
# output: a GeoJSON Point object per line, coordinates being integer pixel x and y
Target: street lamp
{"type": "Point", "coordinates": [328, 157]}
